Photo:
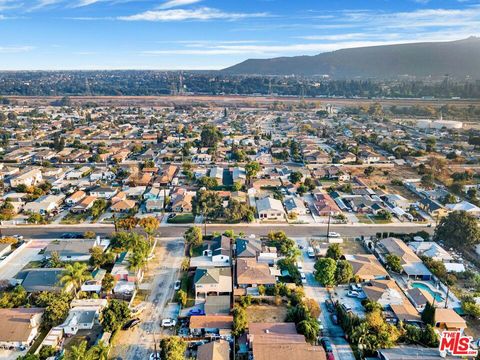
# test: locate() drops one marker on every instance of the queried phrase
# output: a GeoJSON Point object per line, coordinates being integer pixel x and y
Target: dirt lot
{"type": "Point", "coordinates": [266, 313]}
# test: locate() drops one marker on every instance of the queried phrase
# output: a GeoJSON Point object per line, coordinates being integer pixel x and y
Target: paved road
{"type": "Point", "coordinates": [341, 348]}
{"type": "Point", "coordinates": [346, 230]}
{"type": "Point", "coordinates": [11, 266]}
{"type": "Point", "coordinates": [139, 342]}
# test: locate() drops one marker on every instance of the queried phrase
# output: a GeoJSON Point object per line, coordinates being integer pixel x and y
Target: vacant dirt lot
{"type": "Point", "coordinates": [266, 313]}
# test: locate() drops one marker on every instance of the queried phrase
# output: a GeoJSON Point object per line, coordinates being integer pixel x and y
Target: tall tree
{"type": "Point", "coordinates": [325, 271]}
{"type": "Point", "coordinates": [458, 229]}
{"type": "Point", "coordinates": [75, 275]}
{"type": "Point", "coordinates": [173, 348]}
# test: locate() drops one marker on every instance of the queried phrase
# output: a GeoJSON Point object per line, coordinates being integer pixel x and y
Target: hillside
{"type": "Point", "coordinates": [457, 58]}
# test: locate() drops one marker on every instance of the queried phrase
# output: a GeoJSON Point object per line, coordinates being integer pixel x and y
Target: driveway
{"type": "Point", "coordinates": [341, 348]}
{"type": "Point", "coordinates": [11, 266]}
{"type": "Point", "coordinates": [138, 343]}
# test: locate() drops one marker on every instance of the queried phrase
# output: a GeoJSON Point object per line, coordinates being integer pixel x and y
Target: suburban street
{"type": "Point", "coordinates": [341, 348]}
{"type": "Point", "coordinates": [169, 230]}
{"type": "Point", "coordinates": [138, 343]}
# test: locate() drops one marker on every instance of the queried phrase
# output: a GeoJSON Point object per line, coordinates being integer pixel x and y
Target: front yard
{"type": "Point", "coordinates": [187, 218]}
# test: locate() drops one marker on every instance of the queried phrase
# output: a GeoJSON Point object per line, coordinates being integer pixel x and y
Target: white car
{"type": "Point", "coordinates": [168, 323]}
{"type": "Point", "coordinates": [300, 266]}
{"type": "Point", "coordinates": [333, 234]}
{"type": "Point", "coordinates": [154, 356]}
{"type": "Point", "coordinates": [304, 278]}
{"type": "Point", "coordinates": [178, 283]}
{"type": "Point", "coordinates": [352, 293]}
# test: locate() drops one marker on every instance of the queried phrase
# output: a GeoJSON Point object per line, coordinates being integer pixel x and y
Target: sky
{"type": "Point", "coordinates": [213, 34]}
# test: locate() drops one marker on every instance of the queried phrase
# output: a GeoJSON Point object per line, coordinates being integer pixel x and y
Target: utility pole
{"type": "Point", "coordinates": [328, 225]}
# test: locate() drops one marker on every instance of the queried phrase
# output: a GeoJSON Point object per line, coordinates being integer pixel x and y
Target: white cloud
{"type": "Point", "coordinates": [15, 49]}
{"type": "Point", "coordinates": [82, 3]}
{"type": "Point", "coordinates": [176, 3]}
{"type": "Point", "coordinates": [200, 14]}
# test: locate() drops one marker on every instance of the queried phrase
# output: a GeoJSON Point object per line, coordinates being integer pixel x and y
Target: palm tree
{"type": "Point", "coordinates": [100, 351]}
{"type": "Point", "coordinates": [79, 352]}
{"type": "Point", "coordinates": [136, 260]}
{"type": "Point", "coordinates": [75, 275]}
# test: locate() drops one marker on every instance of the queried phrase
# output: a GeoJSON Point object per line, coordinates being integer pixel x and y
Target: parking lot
{"type": "Point", "coordinates": [354, 303]}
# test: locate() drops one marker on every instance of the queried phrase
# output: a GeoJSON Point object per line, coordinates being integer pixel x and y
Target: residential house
{"type": "Point", "coordinates": [212, 281]}
{"type": "Point", "coordinates": [280, 341]}
{"type": "Point", "coordinates": [250, 273]}
{"type": "Point", "coordinates": [248, 248]}
{"type": "Point", "coordinates": [239, 175]}
{"type": "Point", "coordinates": [215, 253]}
{"type": "Point", "coordinates": [419, 298]}
{"type": "Point", "coordinates": [294, 205]}
{"type": "Point", "coordinates": [211, 325]}
{"type": "Point", "coordinates": [74, 249]}
{"type": "Point", "coordinates": [325, 205]}
{"type": "Point", "coordinates": [123, 206]}
{"type": "Point", "coordinates": [448, 319]}
{"type": "Point", "coordinates": [269, 208]}
{"type": "Point", "coordinates": [166, 176]}
{"type": "Point", "coordinates": [121, 270]}
{"type": "Point", "coordinates": [75, 198]}
{"type": "Point", "coordinates": [216, 172]}
{"type": "Point", "coordinates": [432, 207]}
{"type": "Point", "coordinates": [44, 204]}
{"type": "Point", "coordinates": [20, 326]}
{"type": "Point", "coordinates": [36, 280]}
{"type": "Point", "coordinates": [103, 192]}
{"type": "Point", "coordinates": [27, 177]}
{"type": "Point", "coordinates": [366, 267]}
{"type": "Point", "coordinates": [83, 315]}
{"type": "Point", "coordinates": [412, 265]}
{"type": "Point", "coordinates": [94, 285]}
{"type": "Point", "coordinates": [464, 206]}
{"type": "Point", "coordinates": [84, 205]}
{"type": "Point", "coordinates": [396, 200]}
{"type": "Point", "coordinates": [183, 202]}
{"type": "Point", "coordinates": [430, 249]}
{"type": "Point", "coordinates": [389, 295]}
{"type": "Point", "coordinates": [215, 350]}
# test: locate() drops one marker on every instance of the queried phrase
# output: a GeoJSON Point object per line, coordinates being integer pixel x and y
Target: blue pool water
{"type": "Point", "coordinates": [436, 295]}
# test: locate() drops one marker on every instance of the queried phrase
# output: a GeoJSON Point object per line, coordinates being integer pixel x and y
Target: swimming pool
{"type": "Point", "coordinates": [436, 295]}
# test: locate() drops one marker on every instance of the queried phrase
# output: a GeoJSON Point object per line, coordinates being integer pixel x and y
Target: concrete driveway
{"type": "Point", "coordinates": [11, 266]}
{"type": "Point", "coordinates": [341, 348]}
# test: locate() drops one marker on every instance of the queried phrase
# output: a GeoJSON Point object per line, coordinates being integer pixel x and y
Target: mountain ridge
{"type": "Point", "coordinates": [459, 58]}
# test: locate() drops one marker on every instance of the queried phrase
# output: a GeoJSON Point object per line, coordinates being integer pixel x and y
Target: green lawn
{"type": "Point", "coordinates": [187, 218]}
{"type": "Point", "coordinates": [70, 219]}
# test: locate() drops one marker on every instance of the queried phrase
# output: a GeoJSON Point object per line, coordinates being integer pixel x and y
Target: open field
{"type": "Point", "coordinates": [230, 100]}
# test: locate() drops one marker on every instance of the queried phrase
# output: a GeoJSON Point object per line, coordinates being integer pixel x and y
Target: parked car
{"type": "Point", "coordinates": [334, 319]}
{"type": "Point", "coordinates": [131, 324]}
{"type": "Point", "coordinates": [355, 287]}
{"type": "Point", "coordinates": [178, 283]}
{"type": "Point", "coordinates": [352, 293]}
{"type": "Point", "coordinates": [329, 305]}
{"type": "Point", "coordinates": [333, 234]}
{"type": "Point", "coordinates": [304, 278]}
{"type": "Point", "coordinates": [327, 345]}
{"type": "Point", "coordinates": [346, 307]}
{"type": "Point", "coordinates": [169, 322]}
{"type": "Point", "coordinates": [195, 311]}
